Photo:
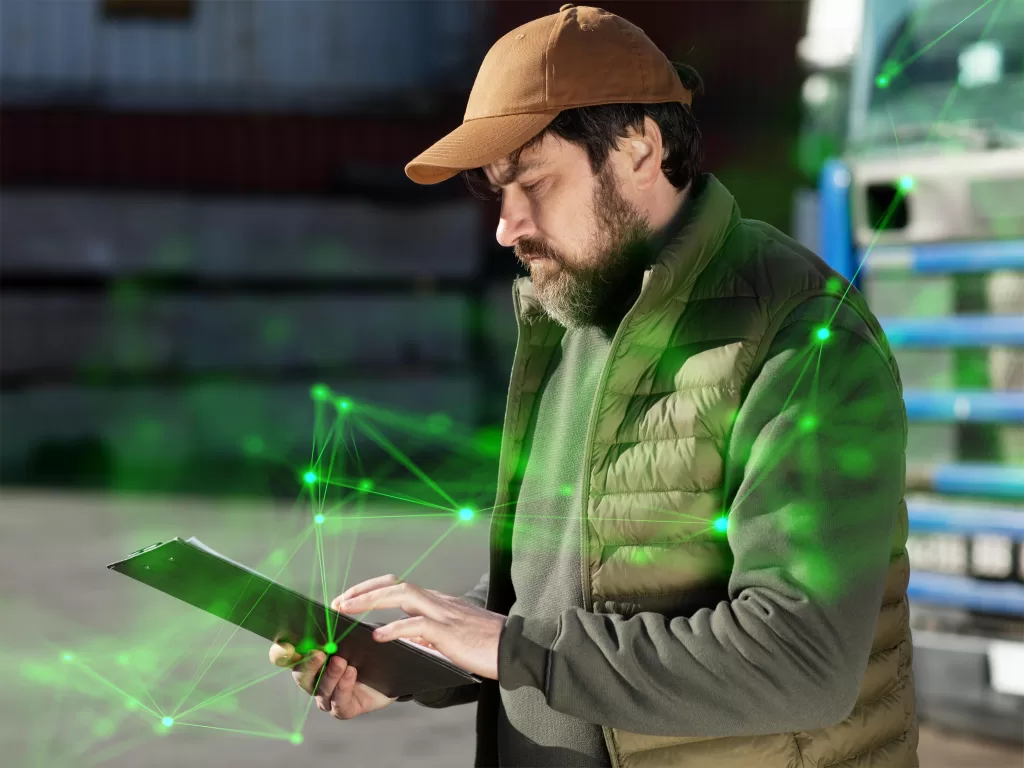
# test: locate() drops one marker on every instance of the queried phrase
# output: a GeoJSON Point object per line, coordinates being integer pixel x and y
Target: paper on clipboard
{"type": "Point", "coordinates": [193, 541]}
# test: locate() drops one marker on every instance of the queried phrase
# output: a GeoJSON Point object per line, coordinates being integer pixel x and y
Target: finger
{"type": "Point", "coordinates": [366, 586]}
{"type": "Point", "coordinates": [408, 597]}
{"type": "Point", "coordinates": [305, 674]}
{"type": "Point", "coordinates": [283, 655]}
{"type": "Point", "coordinates": [343, 705]}
{"type": "Point", "coordinates": [415, 626]}
{"type": "Point", "coordinates": [333, 672]}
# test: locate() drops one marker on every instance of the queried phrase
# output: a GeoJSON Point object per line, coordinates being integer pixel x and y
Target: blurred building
{"type": "Point", "coordinates": [205, 212]}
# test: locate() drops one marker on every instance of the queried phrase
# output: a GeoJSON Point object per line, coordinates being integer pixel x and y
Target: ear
{"type": "Point", "coordinates": [645, 153]}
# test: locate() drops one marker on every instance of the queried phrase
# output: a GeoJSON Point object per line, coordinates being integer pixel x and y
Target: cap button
{"type": "Point", "coordinates": [566, 7]}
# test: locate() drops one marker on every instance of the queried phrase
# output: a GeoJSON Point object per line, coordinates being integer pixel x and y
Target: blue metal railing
{"type": "Point", "coordinates": [944, 258]}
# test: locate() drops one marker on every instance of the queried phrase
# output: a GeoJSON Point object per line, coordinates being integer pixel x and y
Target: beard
{"type": "Point", "coordinates": [597, 292]}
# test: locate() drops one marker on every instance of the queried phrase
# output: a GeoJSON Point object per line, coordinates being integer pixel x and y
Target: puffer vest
{"type": "Point", "coordinates": [679, 367]}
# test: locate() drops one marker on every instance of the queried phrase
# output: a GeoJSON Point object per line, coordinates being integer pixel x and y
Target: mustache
{"type": "Point", "coordinates": [528, 247]}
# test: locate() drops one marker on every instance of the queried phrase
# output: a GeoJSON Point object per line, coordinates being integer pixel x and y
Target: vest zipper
{"type": "Point", "coordinates": [585, 489]}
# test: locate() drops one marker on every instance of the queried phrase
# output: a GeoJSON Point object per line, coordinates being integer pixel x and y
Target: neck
{"type": "Point", "coordinates": [664, 212]}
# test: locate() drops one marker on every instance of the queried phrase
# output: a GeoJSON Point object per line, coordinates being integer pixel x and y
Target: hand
{"type": "Point", "coordinates": [466, 634]}
{"type": "Point", "coordinates": [337, 690]}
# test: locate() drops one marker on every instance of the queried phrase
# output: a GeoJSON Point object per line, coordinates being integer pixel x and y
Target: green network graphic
{"type": "Point", "coordinates": [112, 684]}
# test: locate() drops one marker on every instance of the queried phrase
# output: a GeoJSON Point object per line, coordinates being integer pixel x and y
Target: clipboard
{"type": "Point", "coordinates": [202, 577]}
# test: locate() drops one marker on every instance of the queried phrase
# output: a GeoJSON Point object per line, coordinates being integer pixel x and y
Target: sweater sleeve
{"type": "Point", "coordinates": [462, 694]}
{"type": "Point", "coordinates": [815, 469]}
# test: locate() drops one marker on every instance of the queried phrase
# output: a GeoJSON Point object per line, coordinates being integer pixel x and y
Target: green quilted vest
{"type": "Point", "coordinates": [678, 368]}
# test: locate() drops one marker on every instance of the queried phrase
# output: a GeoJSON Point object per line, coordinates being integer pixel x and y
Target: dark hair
{"type": "Point", "coordinates": [597, 129]}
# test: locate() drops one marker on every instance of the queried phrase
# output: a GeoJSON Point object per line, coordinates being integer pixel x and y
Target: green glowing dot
{"type": "Point", "coordinates": [808, 422]}
{"type": "Point", "coordinates": [331, 648]}
{"type": "Point", "coordinates": [310, 477]}
{"type": "Point", "coordinates": [722, 524]}
{"type": "Point", "coordinates": [295, 738]}
{"type": "Point", "coordinates": [906, 183]}
{"type": "Point", "coordinates": [131, 704]}
{"type": "Point", "coordinates": [306, 645]}
{"type": "Point", "coordinates": [366, 485]}
{"type": "Point", "coordinates": [67, 657]}
{"type": "Point", "coordinates": [167, 722]}
{"type": "Point", "coordinates": [318, 519]}
{"type": "Point", "coordinates": [822, 334]}
{"type": "Point", "coordinates": [122, 659]}
{"type": "Point", "coordinates": [344, 404]}
{"type": "Point", "coordinates": [319, 392]}
{"type": "Point", "coordinates": [465, 513]}
{"type": "Point", "coordinates": [566, 490]}
{"type": "Point", "coordinates": [833, 285]}
{"type": "Point", "coordinates": [882, 81]}
{"type": "Point", "coordinates": [641, 556]}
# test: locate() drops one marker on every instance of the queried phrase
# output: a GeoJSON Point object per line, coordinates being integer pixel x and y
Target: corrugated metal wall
{"type": "Point", "coordinates": [267, 54]}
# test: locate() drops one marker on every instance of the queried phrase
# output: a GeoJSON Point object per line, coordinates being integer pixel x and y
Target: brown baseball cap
{"type": "Point", "coordinates": [577, 57]}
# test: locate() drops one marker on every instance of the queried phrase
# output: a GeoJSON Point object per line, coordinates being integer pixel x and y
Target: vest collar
{"type": "Point", "coordinates": [686, 246]}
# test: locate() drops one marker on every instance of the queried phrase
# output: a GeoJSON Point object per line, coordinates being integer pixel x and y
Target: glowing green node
{"type": "Point", "coordinates": [318, 519]}
{"type": "Point", "coordinates": [305, 645]}
{"type": "Point", "coordinates": [822, 334]}
{"type": "Point", "coordinates": [309, 477]}
{"type": "Point", "coordinates": [565, 490]}
{"type": "Point", "coordinates": [465, 513]}
{"type": "Point", "coordinates": [131, 704]}
{"type": "Point", "coordinates": [344, 404]}
{"type": "Point", "coordinates": [721, 524]}
{"type": "Point", "coordinates": [906, 183]}
{"type": "Point", "coordinates": [319, 392]}
{"type": "Point", "coordinates": [122, 659]}
{"type": "Point", "coordinates": [295, 738]}
{"type": "Point", "coordinates": [167, 722]}
{"type": "Point", "coordinates": [366, 485]}
{"type": "Point", "coordinates": [331, 647]}
{"type": "Point", "coordinates": [808, 422]}
{"type": "Point", "coordinates": [67, 656]}
{"type": "Point", "coordinates": [882, 81]}
{"type": "Point", "coordinates": [833, 285]}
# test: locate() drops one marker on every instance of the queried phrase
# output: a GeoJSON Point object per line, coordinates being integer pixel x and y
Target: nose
{"type": "Point", "coordinates": [515, 220]}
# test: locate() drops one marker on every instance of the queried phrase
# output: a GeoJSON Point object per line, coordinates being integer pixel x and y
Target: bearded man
{"type": "Point", "coordinates": [697, 548]}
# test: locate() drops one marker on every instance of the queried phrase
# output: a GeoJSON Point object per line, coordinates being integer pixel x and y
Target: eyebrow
{"type": "Point", "coordinates": [512, 174]}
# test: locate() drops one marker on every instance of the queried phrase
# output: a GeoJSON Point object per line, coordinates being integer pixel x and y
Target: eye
{"type": "Point", "coordinates": [530, 188]}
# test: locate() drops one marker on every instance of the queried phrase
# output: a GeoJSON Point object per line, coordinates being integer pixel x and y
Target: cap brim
{"type": "Point", "coordinates": [476, 143]}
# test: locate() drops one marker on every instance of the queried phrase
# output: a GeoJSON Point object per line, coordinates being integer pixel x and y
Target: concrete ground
{"type": "Point", "coordinates": [132, 652]}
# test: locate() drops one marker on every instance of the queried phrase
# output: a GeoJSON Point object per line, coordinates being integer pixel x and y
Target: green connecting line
{"type": "Point", "coordinates": [212, 661]}
{"type": "Point", "coordinates": [401, 458]}
{"type": "Point", "coordinates": [901, 192]}
{"type": "Point", "coordinates": [775, 426]}
{"type": "Point", "coordinates": [101, 679]}
{"type": "Point", "coordinates": [274, 736]}
{"type": "Point", "coordinates": [222, 694]}
{"type": "Point", "coordinates": [904, 64]}
{"type": "Point", "coordinates": [395, 496]}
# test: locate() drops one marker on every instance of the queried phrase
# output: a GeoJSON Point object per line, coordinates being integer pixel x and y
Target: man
{"type": "Point", "coordinates": [697, 548]}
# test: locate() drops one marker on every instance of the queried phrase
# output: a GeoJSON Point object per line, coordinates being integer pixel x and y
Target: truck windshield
{"type": "Point", "coordinates": [946, 70]}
